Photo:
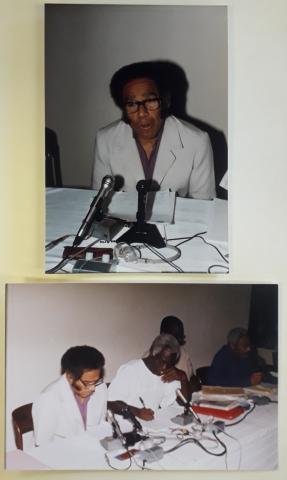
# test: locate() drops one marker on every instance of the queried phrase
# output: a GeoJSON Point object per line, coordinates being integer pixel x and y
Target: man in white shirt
{"type": "Point", "coordinates": [144, 385]}
{"type": "Point", "coordinates": [76, 401]}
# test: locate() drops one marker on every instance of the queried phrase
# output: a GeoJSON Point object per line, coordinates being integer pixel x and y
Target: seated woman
{"type": "Point", "coordinates": [144, 385]}
{"type": "Point", "coordinates": [76, 401]}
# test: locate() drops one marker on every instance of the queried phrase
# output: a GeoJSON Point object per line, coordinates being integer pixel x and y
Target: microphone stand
{"type": "Point", "coordinates": [132, 437]}
{"type": "Point", "coordinates": [188, 415]}
{"type": "Point", "coordinates": [142, 232]}
{"type": "Point", "coordinates": [117, 440]}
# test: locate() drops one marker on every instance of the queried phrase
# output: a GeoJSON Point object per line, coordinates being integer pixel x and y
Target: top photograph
{"type": "Point", "coordinates": [136, 129]}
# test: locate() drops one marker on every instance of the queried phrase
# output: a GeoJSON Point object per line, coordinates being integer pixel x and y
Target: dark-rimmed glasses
{"type": "Point", "coordinates": [91, 385]}
{"type": "Point", "coordinates": [149, 104]}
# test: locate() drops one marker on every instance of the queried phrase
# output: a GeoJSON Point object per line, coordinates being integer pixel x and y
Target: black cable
{"type": "Point", "coordinates": [211, 245]}
{"type": "Point", "coordinates": [217, 266]}
{"type": "Point", "coordinates": [198, 235]}
{"type": "Point", "coordinates": [155, 252]}
{"type": "Point", "coordinates": [220, 454]}
{"type": "Point", "coordinates": [221, 442]}
{"type": "Point", "coordinates": [199, 444]}
{"type": "Point", "coordinates": [119, 469]}
{"type": "Point", "coordinates": [242, 418]}
{"type": "Point", "coordinates": [55, 242]}
{"type": "Point", "coordinates": [186, 239]}
{"type": "Point", "coordinates": [179, 444]}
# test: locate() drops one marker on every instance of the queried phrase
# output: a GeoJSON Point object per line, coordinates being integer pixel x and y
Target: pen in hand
{"type": "Point", "coordinates": [145, 413]}
{"type": "Point", "coordinates": [142, 402]}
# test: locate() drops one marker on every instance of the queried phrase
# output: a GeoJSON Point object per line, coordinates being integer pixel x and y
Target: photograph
{"type": "Point", "coordinates": [142, 140]}
{"type": "Point", "coordinates": [136, 138]}
{"type": "Point", "coordinates": [163, 377]}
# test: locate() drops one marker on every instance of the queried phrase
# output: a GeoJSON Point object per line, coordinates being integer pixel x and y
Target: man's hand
{"type": "Point", "coordinates": [143, 413]}
{"type": "Point", "coordinates": [256, 378]}
{"type": "Point", "coordinates": [173, 374]}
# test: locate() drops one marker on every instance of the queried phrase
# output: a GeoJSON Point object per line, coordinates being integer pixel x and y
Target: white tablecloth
{"type": "Point", "coordinates": [66, 209]}
{"type": "Point", "coordinates": [253, 447]}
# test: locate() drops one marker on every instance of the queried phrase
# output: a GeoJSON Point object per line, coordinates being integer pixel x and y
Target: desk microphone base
{"type": "Point", "coordinates": [143, 233]}
{"type": "Point", "coordinates": [111, 443]}
{"type": "Point", "coordinates": [183, 419]}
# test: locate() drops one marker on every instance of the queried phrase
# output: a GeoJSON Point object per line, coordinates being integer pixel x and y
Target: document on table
{"type": "Point", "coordinates": [160, 206]}
{"type": "Point", "coordinates": [217, 227]}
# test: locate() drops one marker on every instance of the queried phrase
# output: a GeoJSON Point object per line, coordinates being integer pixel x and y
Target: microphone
{"type": "Point", "coordinates": [117, 441]}
{"type": "Point", "coordinates": [141, 231]}
{"type": "Point", "coordinates": [95, 208]}
{"type": "Point", "coordinates": [116, 428]}
{"type": "Point", "coordinates": [188, 405]}
{"type": "Point", "coordinates": [128, 415]}
{"type": "Point", "coordinates": [126, 439]}
{"type": "Point", "coordinates": [142, 189]}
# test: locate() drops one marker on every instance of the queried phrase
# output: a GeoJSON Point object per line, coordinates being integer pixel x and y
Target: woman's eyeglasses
{"type": "Point", "coordinates": [91, 385]}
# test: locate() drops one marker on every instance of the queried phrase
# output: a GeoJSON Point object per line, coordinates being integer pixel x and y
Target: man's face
{"type": "Point", "coordinates": [145, 123]}
{"type": "Point", "coordinates": [167, 359]}
{"type": "Point", "coordinates": [85, 385]}
{"type": "Point", "coordinates": [242, 346]}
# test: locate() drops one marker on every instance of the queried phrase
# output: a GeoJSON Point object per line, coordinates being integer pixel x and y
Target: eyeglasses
{"type": "Point", "coordinates": [91, 385]}
{"type": "Point", "coordinates": [149, 104]}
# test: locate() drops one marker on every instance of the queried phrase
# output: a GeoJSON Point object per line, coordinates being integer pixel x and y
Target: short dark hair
{"type": "Point", "coordinates": [77, 359]}
{"type": "Point", "coordinates": [173, 326]}
{"type": "Point", "coordinates": [149, 69]}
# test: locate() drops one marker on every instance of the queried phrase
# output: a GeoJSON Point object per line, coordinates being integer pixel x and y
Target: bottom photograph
{"type": "Point", "coordinates": [141, 377]}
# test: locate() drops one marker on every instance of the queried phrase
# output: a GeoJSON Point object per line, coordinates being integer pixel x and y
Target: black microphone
{"type": "Point", "coordinates": [128, 415]}
{"type": "Point", "coordinates": [187, 405]}
{"type": "Point", "coordinates": [95, 208]}
{"type": "Point", "coordinates": [117, 433]}
{"type": "Point", "coordinates": [142, 189]}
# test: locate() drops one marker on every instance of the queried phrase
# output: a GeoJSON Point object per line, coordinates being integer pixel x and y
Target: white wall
{"type": "Point", "coordinates": [86, 44]}
{"type": "Point", "coordinates": [43, 321]}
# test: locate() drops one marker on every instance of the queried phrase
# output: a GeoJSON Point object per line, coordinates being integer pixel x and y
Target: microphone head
{"type": "Point", "coordinates": [127, 414]}
{"type": "Point", "coordinates": [142, 186]}
{"type": "Point", "coordinates": [108, 182]}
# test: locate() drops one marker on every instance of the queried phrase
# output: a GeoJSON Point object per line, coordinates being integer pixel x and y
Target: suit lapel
{"type": "Point", "coordinates": [170, 149]}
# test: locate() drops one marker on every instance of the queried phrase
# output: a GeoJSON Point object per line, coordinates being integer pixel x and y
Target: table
{"type": "Point", "coordinates": [66, 209]}
{"type": "Point", "coordinates": [253, 446]}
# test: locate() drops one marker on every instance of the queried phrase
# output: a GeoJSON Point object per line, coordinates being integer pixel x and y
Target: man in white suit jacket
{"type": "Point", "coordinates": [148, 143]}
{"type": "Point", "coordinates": [75, 402]}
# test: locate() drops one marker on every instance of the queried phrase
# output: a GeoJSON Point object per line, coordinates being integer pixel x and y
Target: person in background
{"type": "Point", "coordinates": [145, 385]}
{"type": "Point", "coordinates": [76, 401]}
{"type": "Point", "coordinates": [236, 364]}
{"type": "Point", "coordinates": [149, 143]}
{"type": "Point", "coordinates": [174, 326]}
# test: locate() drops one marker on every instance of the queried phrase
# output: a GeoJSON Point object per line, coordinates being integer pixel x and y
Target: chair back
{"type": "Point", "coordinates": [202, 374]}
{"type": "Point", "coordinates": [52, 154]}
{"type": "Point", "coordinates": [22, 423]}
